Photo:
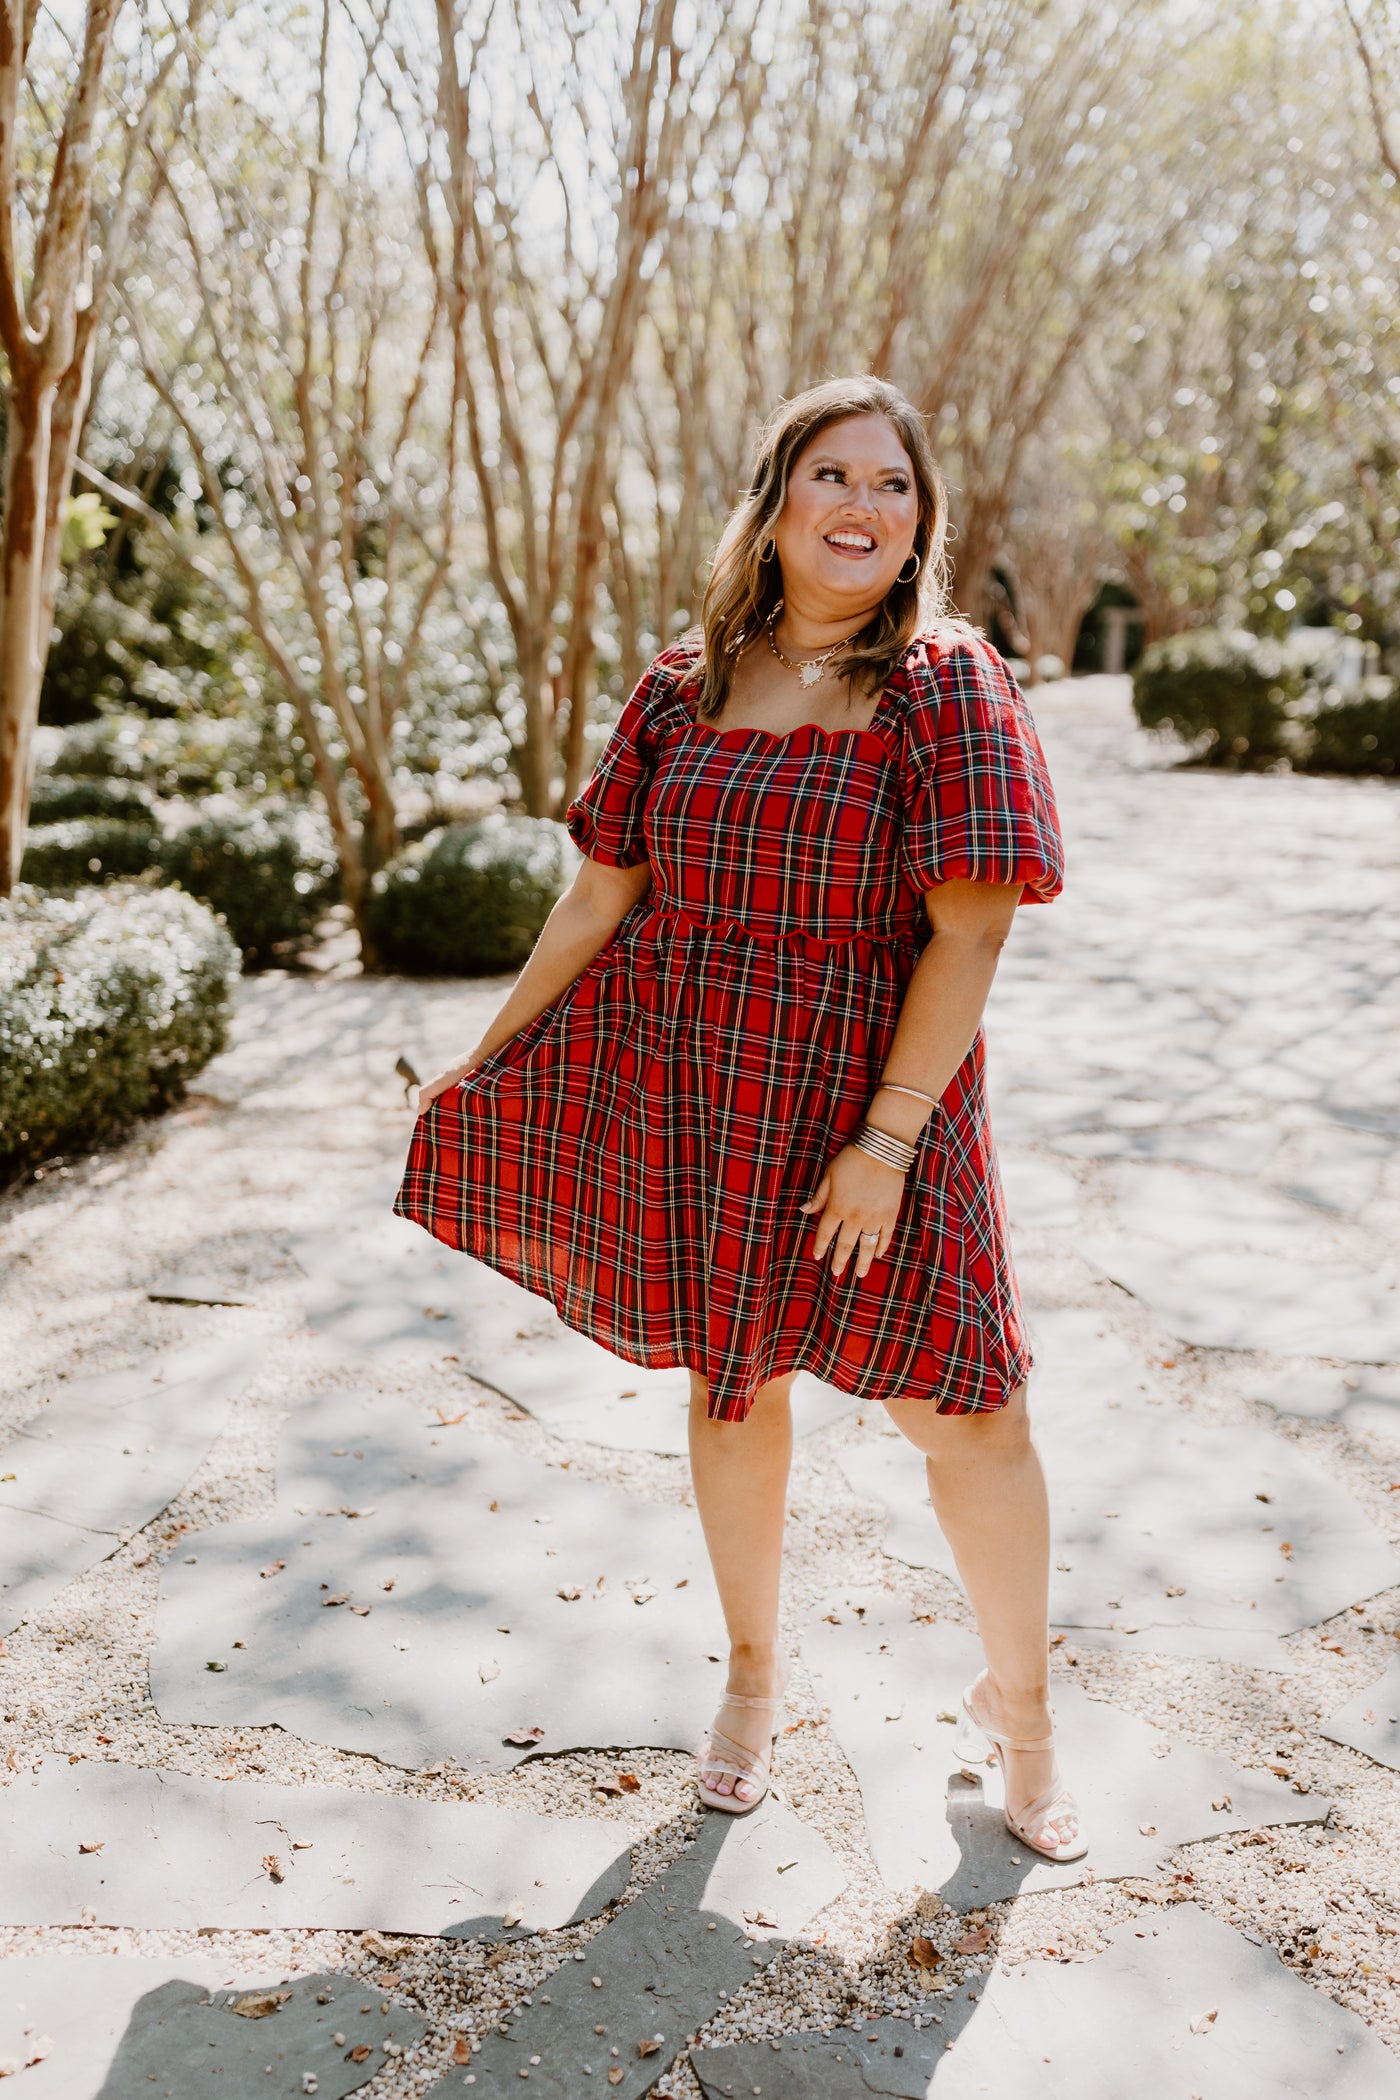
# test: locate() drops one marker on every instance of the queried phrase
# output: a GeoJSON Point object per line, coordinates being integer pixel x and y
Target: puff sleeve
{"type": "Point", "coordinates": [978, 802]}
{"type": "Point", "coordinates": [605, 818]}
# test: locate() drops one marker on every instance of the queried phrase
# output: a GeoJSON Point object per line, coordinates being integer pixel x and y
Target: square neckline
{"type": "Point", "coordinates": [898, 677]}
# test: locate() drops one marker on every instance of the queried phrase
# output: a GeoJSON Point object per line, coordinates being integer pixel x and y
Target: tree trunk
{"type": "Point", "coordinates": [23, 647]}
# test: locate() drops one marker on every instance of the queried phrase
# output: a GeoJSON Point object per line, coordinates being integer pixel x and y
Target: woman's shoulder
{"type": "Point", "coordinates": [946, 637]}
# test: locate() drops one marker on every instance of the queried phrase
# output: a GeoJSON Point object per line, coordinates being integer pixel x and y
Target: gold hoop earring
{"type": "Point", "coordinates": [768, 549]}
{"type": "Point", "coordinates": [902, 578]}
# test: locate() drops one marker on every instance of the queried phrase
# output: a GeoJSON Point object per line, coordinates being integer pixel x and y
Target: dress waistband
{"type": "Point", "coordinates": [907, 935]}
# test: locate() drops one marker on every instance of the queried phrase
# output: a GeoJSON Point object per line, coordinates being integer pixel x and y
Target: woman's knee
{"type": "Point", "coordinates": [768, 1398]}
{"type": "Point", "coordinates": [957, 1440]}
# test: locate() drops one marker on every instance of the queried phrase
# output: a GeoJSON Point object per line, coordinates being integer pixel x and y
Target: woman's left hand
{"type": "Point", "coordinates": [856, 1194]}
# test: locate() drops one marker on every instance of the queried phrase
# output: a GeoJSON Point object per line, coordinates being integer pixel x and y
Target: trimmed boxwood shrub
{"type": "Point", "coordinates": [269, 874]}
{"type": "Point", "coordinates": [1229, 693]}
{"type": "Point", "coordinates": [171, 757]}
{"type": "Point", "coordinates": [86, 850]}
{"type": "Point", "coordinates": [110, 1002]}
{"type": "Point", "coordinates": [471, 899]}
{"type": "Point", "coordinates": [59, 797]}
{"type": "Point", "coordinates": [1357, 736]}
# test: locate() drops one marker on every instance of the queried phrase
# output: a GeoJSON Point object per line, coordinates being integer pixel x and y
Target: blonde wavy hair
{"type": "Point", "coordinates": [743, 588]}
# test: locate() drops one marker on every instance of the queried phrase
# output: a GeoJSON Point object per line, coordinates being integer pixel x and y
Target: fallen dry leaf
{"type": "Point", "coordinates": [615, 2075]}
{"type": "Point", "coordinates": [362, 1611]}
{"type": "Point", "coordinates": [358, 2054]}
{"type": "Point", "coordinates": [461, 2050]}
{"type": "Point", "coordinates": [488, 1672]}
{"type": "Point", "coordinates": [450, 1421]}
{"type": "Point", "coordinates": [760, 1917]}
{"type": "Point", "coordinates": [1204, 2020]}
{"type": "Point", "coordinates": [493, 1505]}
{"type": "Point", "coordinates": [975, 1942]}
{"type": "Point", "coordinates": [273, 1867]}
{"type": "Point", "coordinates": [92, 1845]}
{"type": "Point", "coordinates": [1178, 1589]}
{"type": "Point", "coordinates": [648, 2047]}
{"type": "Point", "coordinates": [923, 1953]}
{"type": "Point", "coordinates": [1147, 1830]}
{"type": "Point", "coordinates": [1286, 1548]}
{"type": "Point", "coordinates": [607, 1786]}
{"type": "Point", "coordinates": [629, 1782]}
{"type": "Point", "coordinates": [1222, 1802]}
{"type": "Point", "coordinates": [569, 1596]}
{"type": "Point", "coordinates": [642, 1596]}
{"type": "Point", "coordinates": [342, 1598]}
{"type": "Point", "coordinates": [513, 1916]}
{"type": "Point", "coordinates": [524, 1735]}
{"type": "Point", "coordinates": [88, 1916]}
{"type": "Point", "coordinates": [274, 1567]}
{"type": "Point", "coordinates": [379, 1946]}
{"type": "Point", "coordinates": [302, 1844]}
{"type": "Point", "coordinates": [256, 2005]}
{"type": "Point", "coordinates": [433, 1312]}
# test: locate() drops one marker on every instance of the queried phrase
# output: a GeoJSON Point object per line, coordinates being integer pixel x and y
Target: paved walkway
{"type": "Point", "coordinates": [357, 1625]}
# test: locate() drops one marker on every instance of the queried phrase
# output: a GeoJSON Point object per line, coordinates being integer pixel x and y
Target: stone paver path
{"type": "Point", "coordinates": [892, 1684]}
{"type": "Point", "coordinates": [130, 2029]}
{"type": "Point", "coordinates": [120, 1843]}
{"type": "Point", "coordinates": [417, 1589]}
{"type": "Point", "coordinates": [1182, 2006]}
{"type": "Point", "coordinates": [328, 1549]}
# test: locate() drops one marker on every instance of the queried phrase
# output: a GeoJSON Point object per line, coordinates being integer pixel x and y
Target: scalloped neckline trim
{"type": "Point", "coordinates": [804, 729]}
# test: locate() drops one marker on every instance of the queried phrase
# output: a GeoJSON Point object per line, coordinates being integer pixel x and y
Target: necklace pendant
{"type": "Point", "coordinates": [809, 674]}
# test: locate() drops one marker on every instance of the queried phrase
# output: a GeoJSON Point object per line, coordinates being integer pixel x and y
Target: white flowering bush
{"type": "Point", "coordinates": [110, 1001]}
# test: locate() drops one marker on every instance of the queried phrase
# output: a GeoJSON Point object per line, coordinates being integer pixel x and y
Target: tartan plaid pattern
{"type": "Point", "coordinates": [637, 1152]}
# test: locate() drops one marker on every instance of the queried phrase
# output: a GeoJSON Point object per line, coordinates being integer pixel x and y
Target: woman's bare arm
{"type": "Point", "coordinates": [940, 1015]}
{"type": "Point", "coordinates": [584, 920]}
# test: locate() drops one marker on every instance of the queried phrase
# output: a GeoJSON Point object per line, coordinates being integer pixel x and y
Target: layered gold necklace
{"type": "Point", "coordinates": [810, 669]}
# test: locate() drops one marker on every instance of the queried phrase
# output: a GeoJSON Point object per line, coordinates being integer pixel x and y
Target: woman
{"type": "Point", "coordinates": [732, 1112]}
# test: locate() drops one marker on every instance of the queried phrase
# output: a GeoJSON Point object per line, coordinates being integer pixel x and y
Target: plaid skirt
{"type": "Point", "coordinates": [638, 1152]}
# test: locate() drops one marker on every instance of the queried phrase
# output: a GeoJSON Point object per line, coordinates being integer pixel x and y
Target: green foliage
{"type": "Point", "coordinates": [110, 1002]}
{"type": "Point", "coordinates": [1230, 694]}
{"type": "Point", "coordinates": [1357, 736]}
{"type": "Point", "coordinates": [471, 899]}
{"type": "Point", "coordinates": [86, 522]}
{"type": "Point", "coordinates": [270, 875]}
{"type": "Point", "coordinates": [202, 756]}
{"type": "Point", "coordinates": [58, 797]}
{"type": "Point", "coordinates": [85, 850]}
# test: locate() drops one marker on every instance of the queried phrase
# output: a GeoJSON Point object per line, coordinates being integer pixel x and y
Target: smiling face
{"type": "Point", "coordinates": [847, 526]}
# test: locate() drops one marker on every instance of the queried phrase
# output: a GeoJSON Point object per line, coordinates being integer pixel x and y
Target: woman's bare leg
{"type": "Point", "coordinates": [987, 1487]}
{"type": "Point", "coordinates": [740, 1472]}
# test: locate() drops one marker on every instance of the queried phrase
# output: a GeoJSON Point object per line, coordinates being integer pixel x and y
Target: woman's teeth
{"type": "Point", "coordinates": [858, 542]}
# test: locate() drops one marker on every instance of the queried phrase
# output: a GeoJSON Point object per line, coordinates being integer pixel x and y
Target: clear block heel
{"type": "Point", "coordinates": [975, 1743]}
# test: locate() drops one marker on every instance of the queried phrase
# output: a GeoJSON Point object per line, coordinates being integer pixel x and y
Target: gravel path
{"type": "Point", "coordinates": [1213, 1003]}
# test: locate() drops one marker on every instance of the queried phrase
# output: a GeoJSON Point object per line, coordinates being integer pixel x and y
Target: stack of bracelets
{"type": "Point", "coordinates": [882, 1144]}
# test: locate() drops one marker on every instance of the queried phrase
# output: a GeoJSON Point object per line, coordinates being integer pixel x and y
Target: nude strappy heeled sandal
{"type": "Point", "coordinates": [977, 1744]}
{"type": "Point", "coordinates": [720, 1753]}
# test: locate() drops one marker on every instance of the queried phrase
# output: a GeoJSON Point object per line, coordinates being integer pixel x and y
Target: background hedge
{"type": "Point", "coordinates": [1225, 691]}
{"type": "Point", "coordinates": [471, 899]}
{"type": "Point", "coordinates": [87, 850]}
{"type": "Point", "coordinates": [59, 797]}
{"type": "Point", "coordinates": [110, 1002]}
{"type": "Point", "coordinates": [271, 875]}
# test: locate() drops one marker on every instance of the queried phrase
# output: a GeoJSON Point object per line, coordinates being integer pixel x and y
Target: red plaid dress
{"type": "Point", "coordinates": [637, 1152]}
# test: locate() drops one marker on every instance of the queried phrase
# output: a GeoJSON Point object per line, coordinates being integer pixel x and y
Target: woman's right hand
{"type": "Point", "coordinates": [429, 1091]}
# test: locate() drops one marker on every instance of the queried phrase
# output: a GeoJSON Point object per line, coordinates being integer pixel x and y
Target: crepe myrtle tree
{"type": "Point", "coordinates": [75, 124]}
{"type": "Point", "coordinates": [294, 335]}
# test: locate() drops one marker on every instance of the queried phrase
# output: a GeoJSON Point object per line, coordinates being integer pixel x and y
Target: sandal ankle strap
{"type": "Point", "coordinates": [770, 1705]}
